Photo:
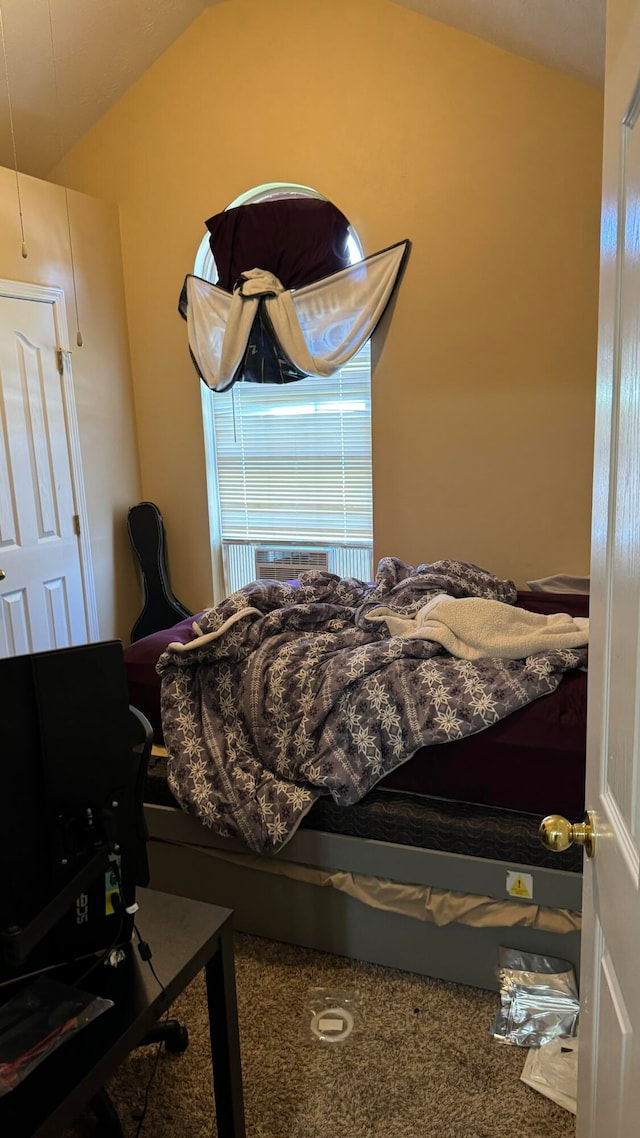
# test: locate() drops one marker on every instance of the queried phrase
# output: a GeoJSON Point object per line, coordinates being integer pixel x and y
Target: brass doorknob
{"type": "Point", "coordinates": [557, 834]}
{"type": "Point", "coordinates": [2, 574]}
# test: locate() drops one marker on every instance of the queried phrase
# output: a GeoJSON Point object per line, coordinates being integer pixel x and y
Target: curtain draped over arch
{"type": "Point", "coordinates": [303, 311]}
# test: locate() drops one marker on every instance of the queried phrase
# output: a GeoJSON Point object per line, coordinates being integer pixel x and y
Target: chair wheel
{"type": "Point", "coordinates": [177, 1039]}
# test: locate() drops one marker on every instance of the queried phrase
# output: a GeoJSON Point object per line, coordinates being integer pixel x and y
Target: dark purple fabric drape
{"type": "Point", "coordinates": [299, 240]}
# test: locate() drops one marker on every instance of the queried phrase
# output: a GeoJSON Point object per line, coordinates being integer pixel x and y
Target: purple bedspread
{"type": "Point", "coordinates": [304, 698]}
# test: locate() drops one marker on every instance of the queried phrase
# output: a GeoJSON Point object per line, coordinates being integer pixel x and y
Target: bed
{"type": "Point", "coordinates": [433, 870]}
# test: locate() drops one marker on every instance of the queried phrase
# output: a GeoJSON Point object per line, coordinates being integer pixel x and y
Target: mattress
{"type": "Point", "coordinates": [532, 762]}
{"type": "Point", "coordinates": [417, 820]}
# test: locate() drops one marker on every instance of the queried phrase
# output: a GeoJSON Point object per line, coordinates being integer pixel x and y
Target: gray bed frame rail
{"type": "Point", "coordinates": [299, 913]}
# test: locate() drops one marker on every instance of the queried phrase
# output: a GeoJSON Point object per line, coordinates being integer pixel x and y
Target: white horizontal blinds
{"type": "Point", "coordinates": [294, 460]}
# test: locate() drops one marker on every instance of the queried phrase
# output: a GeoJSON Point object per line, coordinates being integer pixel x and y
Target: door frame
{"type": "Point", "coordinates": [55, 296]}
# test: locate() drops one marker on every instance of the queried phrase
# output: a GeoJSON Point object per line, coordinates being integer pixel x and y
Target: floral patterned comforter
{"type": "Point", "coordinates": [289, 693]}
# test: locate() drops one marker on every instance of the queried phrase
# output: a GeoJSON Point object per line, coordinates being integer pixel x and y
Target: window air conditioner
{"type": "Point", "coordinates": [286, 564]}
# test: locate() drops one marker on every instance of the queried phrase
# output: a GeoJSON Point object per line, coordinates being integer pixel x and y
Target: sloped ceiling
{"type": "Point", "coordinates": [101, 48]}
{"type": "Point", "coordinates": [104, 46]}
{"type": "Point", "coordinates": [565, 34]}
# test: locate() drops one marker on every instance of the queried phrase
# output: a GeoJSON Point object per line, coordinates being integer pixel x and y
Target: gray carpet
{"type": "Point", "coordinates": [423, 1065]}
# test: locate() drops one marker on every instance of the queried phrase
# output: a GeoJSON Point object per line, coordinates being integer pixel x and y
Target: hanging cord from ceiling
{"type": "Point", "coordinates": [25, 251]}
{"type": "Point", "coordinates": [79, 340]}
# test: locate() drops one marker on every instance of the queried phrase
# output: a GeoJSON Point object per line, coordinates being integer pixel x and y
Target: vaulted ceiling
{"type": "Point", "coordinates": [565, 34]}
{"type": "Point", "coordinates": [103, 46]}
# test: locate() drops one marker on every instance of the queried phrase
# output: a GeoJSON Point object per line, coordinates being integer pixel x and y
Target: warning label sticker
{"type": "Point", "coordinates": [520, 884]}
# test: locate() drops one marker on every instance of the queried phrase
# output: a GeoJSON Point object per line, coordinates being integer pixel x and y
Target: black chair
{"type": "Point", "coordinates": [173, 1034]}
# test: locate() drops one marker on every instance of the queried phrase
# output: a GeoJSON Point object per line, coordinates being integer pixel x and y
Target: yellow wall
{"type": "Point", "coordinates": [483, 389]}
{"type": "Point", "coordinates": [101, 369]}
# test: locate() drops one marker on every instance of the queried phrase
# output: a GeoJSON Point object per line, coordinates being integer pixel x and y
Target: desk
{"type": "Point", "coordinates": [185, 936]}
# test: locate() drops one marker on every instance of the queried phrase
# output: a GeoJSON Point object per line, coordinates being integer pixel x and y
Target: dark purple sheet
{"type": "Point", "coordinates": [142, 679]}
{"type": "Point", "coordinates": [532, 761]}
{"type": "Point", "coordinates": [299, 240]}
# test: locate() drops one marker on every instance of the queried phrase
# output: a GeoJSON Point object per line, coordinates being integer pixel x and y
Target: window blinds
{"type": "Point", "coordinates": [294, 460]}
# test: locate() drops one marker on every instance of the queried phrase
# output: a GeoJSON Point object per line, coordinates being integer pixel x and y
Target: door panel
{"type": "Point", "coordinates": [614, 1061]}
{"type": "Point", "coordinates": [35, 399]}
{"type": "Point", "coordinates": [16, 625]}
{"type": "Point", "coordinates": [57, 601]}
{"type": "Point", "coordinates": [609, 1087]}
{"type": "Point", "coordinates": [43, 603]}
{"type": "Point", "coordinates": [619, 776]}
{"type": "Point", "coordinates": [9, 535]}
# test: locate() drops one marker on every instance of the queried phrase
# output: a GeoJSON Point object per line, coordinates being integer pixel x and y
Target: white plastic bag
{"type": "Point", "coordinates": [553, 1070]}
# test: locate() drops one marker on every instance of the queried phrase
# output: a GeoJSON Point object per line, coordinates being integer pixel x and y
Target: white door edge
{"type": "Point", "coordinates": [54, 295]}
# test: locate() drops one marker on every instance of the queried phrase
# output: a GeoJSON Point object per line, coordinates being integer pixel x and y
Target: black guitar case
{"type": "Point", "coordinates": [161, 608]}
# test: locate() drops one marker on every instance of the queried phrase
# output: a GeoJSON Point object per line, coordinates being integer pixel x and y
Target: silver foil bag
{"type": "Point", "coordinates": [538, 999]}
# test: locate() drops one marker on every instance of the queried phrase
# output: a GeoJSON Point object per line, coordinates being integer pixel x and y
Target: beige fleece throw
{"type": "Point", "coordinates": [471, 628]}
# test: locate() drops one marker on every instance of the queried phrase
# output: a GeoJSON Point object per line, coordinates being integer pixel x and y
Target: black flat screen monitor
{"type": "Point", "coordinates": [68, 778]}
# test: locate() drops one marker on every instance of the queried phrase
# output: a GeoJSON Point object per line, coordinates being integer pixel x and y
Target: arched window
{"type": "Point", "coordinates": [289, 467]}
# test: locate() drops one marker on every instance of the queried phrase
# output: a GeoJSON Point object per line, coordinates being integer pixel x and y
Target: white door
{"type": "Point", "coordinates": [609, 1079]}
{"type": "Point", "coordinates": [42, 593]}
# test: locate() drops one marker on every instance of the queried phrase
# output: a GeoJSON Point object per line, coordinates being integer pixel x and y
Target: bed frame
{"type": "Point", "coordinates": [298, 913]}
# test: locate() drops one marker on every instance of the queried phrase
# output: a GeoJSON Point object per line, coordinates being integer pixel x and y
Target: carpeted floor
{"type": "Point", "coordinates": [423, 1064]}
